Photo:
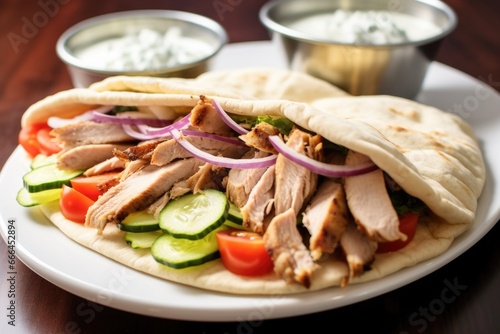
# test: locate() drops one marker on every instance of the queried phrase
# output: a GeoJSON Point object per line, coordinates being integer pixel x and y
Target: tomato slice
{"type": "Point", "coordinates": [407, 225]}
{"type": "Point", "coordinates": [36, 139]}
{"type": "Point", "coordinates": [45, 141]}
{"type": "Point", "coordinates": [27, 138]}
{"type": "Point", "coordinates": [74, 205]}
{"type": "Point", "coordinates": [89, 185]}
{"type": "Point", "coordinates": [243, 252]}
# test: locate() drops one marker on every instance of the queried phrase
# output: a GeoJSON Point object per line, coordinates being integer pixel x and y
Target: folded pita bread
{"type": "Point", "coordinates": [255, 83]}
{"type": "Point", "coordinates": [431, 154]}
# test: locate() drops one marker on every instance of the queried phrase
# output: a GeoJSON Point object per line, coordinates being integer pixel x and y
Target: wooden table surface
{"type": "Point", "coordinates": [30, 70]}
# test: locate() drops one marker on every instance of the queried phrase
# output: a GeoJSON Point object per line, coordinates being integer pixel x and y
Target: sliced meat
{"type": "Point", "coordinates": [142, 151]}
{"type": "Point", "coordinates": [292, 260]}
{"type": "Point", "coordinates": [241, 181]}
{"type": "Point", "coordinates": [295, 184]}
{"type": "Point", "coordinates": [326, 218]}
{"type": "Point", "coordinates": [358, 249]}
{"type": "Point", "coordinates": [86, 156]}
{"type": "Point", "coordinates": [107, 165]}
{"type": "Point", "coordinates": [170, 150]}
{"type": "Point", "coordinates": [167, 152]}
{"type": "Point", "coordinates": [138, 191]}
{"type": "Point", "coordinates": [258, 137]}
{"type": "Point", "coordinates": [370, 203]}
{"type": "Point", "coordinates": [88, 132]}
{"type": "Point", "coordinates": [260, 202]}
{"type": "Point", "coordinates": [106, 185]}
{"type": "Point", "coordinates": [158, 205]}
{"type": "Point", "coordinates": [207, 177]}
{"type": "Point", "coordinates": [132, 167]}
{"type": "Point", "coordinates": [205, 118]}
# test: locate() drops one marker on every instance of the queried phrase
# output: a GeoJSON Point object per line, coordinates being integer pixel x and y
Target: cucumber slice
{"type": "Point", "coordinates": [43, 160]}
{"type": "Point", "coordinates": [142, 240]}
{"type": "Point", "coordinates": [28, 199]}
{"type": "Point", "coordinates": [234, 214]}
{"type": "Point", "coordinates": [139, 222]}
{"type": "Point", "coordinates": [193, 216]}
{"type": "Point", "coordinates": [48, 177]}
{"type": "Point", "coordinates": [182, 253]}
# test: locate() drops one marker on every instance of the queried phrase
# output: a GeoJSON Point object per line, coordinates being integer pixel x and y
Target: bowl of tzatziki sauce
{"type": "Point", "coordinates": [364, 47]}
{"type": "Point", "coordinates": [160, 43]}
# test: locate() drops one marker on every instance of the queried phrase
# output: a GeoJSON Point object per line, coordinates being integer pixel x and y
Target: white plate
{"type": "Point", "coordinates": [44, 249]}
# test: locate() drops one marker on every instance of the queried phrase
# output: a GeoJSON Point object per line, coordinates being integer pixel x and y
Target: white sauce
{"type": "Point", "coordinates": [145, 50]}
{"type": "Point", "coordinates": [366, 27]}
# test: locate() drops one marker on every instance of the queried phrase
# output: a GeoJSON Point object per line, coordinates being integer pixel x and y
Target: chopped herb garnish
{"type": "Point", "coordinates": [119, 109]}
{"type": "Point", "coordinates": [328, 145]}
{"type": "Point", "coordinates": [284, 125]}
{"type": "Point", "coordinates": [404, 203]}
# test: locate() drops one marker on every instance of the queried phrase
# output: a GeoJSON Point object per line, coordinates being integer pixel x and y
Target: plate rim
{"type": "Point", "coordinates": [282, 306]}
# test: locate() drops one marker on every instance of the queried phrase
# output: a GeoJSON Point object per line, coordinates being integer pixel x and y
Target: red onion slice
{"type": "Point", "coordinates": [137, 134]}
{"type": "Point", "coordinates": [222, 161]}
{"type": "Point", "coordinates": [166, 130]}
{"type": "Point", "coordinates": [103, 109]}
{"type": "Point", "coordinates": [57, 122]}
{"type": "Point", "coordinates": [104, 118]}
{"type": "Point", "coordinates": [318, 167]}
{"type": "Point", "coordinates": [228, 120]}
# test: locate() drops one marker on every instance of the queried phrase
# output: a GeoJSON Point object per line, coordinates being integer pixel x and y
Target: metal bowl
{"type": "Point", "coordinates": [120, 24]}
{"type": "Point", "coordinates": [359, 68]}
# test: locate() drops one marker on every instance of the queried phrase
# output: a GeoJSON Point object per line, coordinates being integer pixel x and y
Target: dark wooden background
{"type": "Point", "coordinates": [30, 70]}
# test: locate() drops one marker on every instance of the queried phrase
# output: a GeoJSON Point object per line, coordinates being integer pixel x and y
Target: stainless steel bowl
{"type": "Point", "coordinates": [116, 25]}
{"type": "Point", "coordinates": [361, 69]}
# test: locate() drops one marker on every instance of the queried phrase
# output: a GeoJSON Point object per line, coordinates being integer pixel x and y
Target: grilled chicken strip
{"type": "Point", "coordinates": [170, 150]}
{"type": "Point", "coordinates": [86, 156]}
{"type": "Point", "coordinates": [143, 150]}
{"type": "Point", "coordinates": [258, 137]}
{"type": "Point", "coordinates": [326, 218]}
{"type": "Point", "coordinates": [260, 202]}
{"type": "Point", "coordinates": [294, 184]}
{"type": "Point", "coordinates": [370, 203]}
{"type": "Point", "coordinates": [88, 132]}
{"type": "Point", "coordinates": [292, 260]}
{"type": "Point", "coordinates": [132, 167]}
{"type": "Point", "coordinates": [358, 249]}
{"type": "Point", "coordinates": [107, 165]}
{"type": "Point", "coordinates": [208, 176]}
{"type": "Point", "coordinates": [138, 191]}
{"type": "Point", "coordinates": [241, 181]}
{"type": "Point", "coordinates": [205, 118]}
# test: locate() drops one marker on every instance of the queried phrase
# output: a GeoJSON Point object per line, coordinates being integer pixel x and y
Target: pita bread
{"type": "Point", "coordinates": [247, 84]}
{"type": "Point", "coordinates": [433, 155]}
{"type": "Point", "coordinates": [213, 275]}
